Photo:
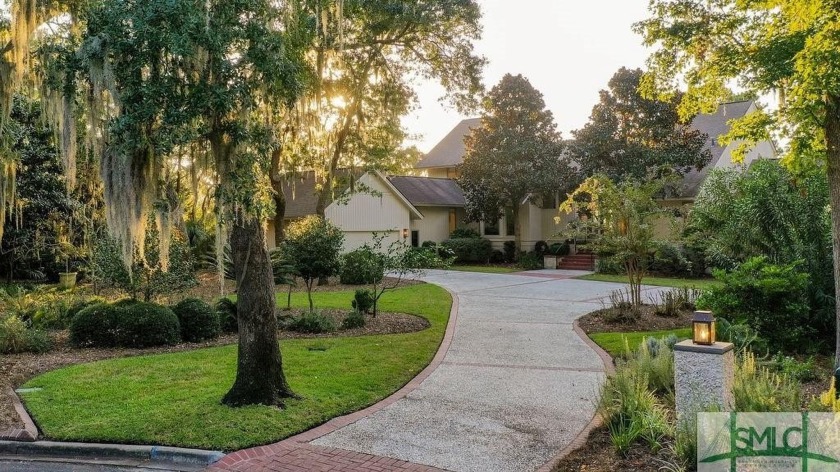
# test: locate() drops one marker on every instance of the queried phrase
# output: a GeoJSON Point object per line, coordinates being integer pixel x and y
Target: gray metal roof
{"type": "Point", "coordinates": [427, 191]}
{"type": "Point", "coordinates": [713, 125]}
{"type": "Point", "coordinates": [449, 152]}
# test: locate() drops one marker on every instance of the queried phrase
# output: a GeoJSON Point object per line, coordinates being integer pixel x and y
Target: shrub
{"type": "Point", "coordinates": [530, 261]}
{"type": "Point", "coordinates": [198, 320]}
{"type": "Point", "coordinates": [541, 248]}
{"type": "Point", "coordinates": [354, 319]}
{"type": "Point", "coordinates": [363, 301]}
{"type": "Point", "coordinates": [360, 267]}
{"type": "Point", "coordinates": [802, 371]}
{"type": "Point", "coordinates": [559, 249]}
{"type": "Point", "coordinates": [226, 311]}
{"type": "Point", "coordinates": [15, 337]}
{"type": "Point", "coordinates": [314, 322]}
{"type": "Point", "coordinates": [631, 411]}
{"type": "Point", "coordinates": [742, 336]}
{"type": "Point", "coordinates": [437, 257]}
{"type": "Point", "coordinates": [95, 326]}
{"type": "Point", "coordinates": [770, 298]}
{"type": "Point", "coordinates": [464, 233]}
{"type": "Point", "coordinates": [497, 257]}
{"type": "Point", "coordinates": [667, 304]}
{"type": "Point", "coordinates": [654, 359]}
{"type": "Point", "coordinates": [79, 306]}
{"type": "Point", "coordinates": [468, 250]}
{"type": "Point", "coordinates": [147, 324]}
{"type": "Point", "coordinates": [621, 307]}
{"type": "Point", "coordinates": [313, 246]}
{"type": "Point", "coordinates": [759, 390]}
{"type": "Point", "coordinates": [509, 250]}
{"type": "Point", "coordinates": [669, 259]}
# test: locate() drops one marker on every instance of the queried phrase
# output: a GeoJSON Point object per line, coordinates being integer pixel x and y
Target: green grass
{"type": "Point", "coordinates": [173, 399]}
{"type": "Point", "coordinates": [656, 281]}
{"type": "Point", "coordinates": [487, 269]}
{"type": "Point", "coordinates": [613, 343]}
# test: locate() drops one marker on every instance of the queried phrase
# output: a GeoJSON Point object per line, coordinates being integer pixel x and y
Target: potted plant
{"type": "Point", "coordinates": [66, 251]}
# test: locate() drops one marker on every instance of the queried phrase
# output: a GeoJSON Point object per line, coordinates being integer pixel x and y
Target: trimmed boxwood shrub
{"type": "Point", "coordinates": [198, 320]}
{"type": "Point", "coordinates": [464, 232]}
{"type": "Point", "coordinates": [363, 301]}
{"type": "Point", "coordinates": [147, 324]}
{"type": "Point", "coordinates": [226, 311]}
{"type": "Point", "coordinates": [470, 249]}
{"type": "Point", "coordinates": [361, 267]}
{"type": "Point", "coordinates": [311, 323]}
{"type": "Point", "coordinates": [95, 326]}
{"type": "Point", "coordinates": [354, 319]}
{"type": "Point", "coordinates": [124, 325]}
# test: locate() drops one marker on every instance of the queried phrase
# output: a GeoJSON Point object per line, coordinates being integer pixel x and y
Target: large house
{"type": "Point", "coordinates": [429, 206]}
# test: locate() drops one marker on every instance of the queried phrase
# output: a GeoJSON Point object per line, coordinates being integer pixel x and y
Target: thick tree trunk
{"type": "Point", "coordinates": [832, 138]}
{"type": "Point", "coordinates": [259, 369]}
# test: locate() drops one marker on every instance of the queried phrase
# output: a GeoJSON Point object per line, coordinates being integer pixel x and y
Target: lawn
{"type": "Point", "coordinates": [613, 343]}
{"type": "Point", "coordinates": [487, 269]}
{"type": "Point", "coordinates": [173, 399]}
{"type": "Point", "coordinates": [656, 281]}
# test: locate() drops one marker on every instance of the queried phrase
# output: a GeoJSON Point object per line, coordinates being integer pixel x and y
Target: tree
{"type": "Point", "coordinates": [313, 247]}
{"type": "Point", "coordinates": [514, 155]}
{"type": "Point", "coordinates": [628, 135]}
{"type": "Point", "coordinates": [789, 46]}
{"type": "Point", "coordinates": [620, 217]}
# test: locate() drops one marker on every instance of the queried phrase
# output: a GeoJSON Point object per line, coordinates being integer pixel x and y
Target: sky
{"type": "Point", "coordinates": [568, 49]}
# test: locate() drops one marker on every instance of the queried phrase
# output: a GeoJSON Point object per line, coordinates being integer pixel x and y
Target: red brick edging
{"type": "Point", "coordinates": [284, 447]}
{"type": "Point", "coordinates": [580, 439]}
{"type": "Point", "coordinates": [29, 432]}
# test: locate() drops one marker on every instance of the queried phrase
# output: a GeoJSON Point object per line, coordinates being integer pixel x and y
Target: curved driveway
{"type": "Point", "coordinates": [516, 386]}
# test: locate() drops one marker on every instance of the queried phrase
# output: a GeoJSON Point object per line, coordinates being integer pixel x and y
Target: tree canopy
{"type": "Point", "coordinates": [629, 135]}
{"type": "Point", "coordinates": [516, 154]}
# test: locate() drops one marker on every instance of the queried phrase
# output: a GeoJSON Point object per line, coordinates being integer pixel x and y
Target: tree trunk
{"type": "Point", "coordinates": [517, 231]}
{"type": "Point", "coordinates": [259, 369]}
{"type": "Point", "coordinates": [832, 138]}
{"type": "Point", "coordinates": [279, 198]}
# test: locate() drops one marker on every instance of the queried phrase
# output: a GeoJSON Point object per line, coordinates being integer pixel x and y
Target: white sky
{"type": "Point", "coordinates": [568, 49]}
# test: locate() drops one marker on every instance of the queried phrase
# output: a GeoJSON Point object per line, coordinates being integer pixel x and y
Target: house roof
{"type": "Point", "coordinates": [713, 125]}
{"type": "Point", "coordinates": [301, 198]}
{"type": "Point", "coordinates": [449, 152]}
{"type": "Point", "coordinates": [427, 191]}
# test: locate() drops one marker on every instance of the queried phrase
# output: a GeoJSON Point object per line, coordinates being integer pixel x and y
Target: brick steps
{"type": "Point", "coordinates": [577, 262]}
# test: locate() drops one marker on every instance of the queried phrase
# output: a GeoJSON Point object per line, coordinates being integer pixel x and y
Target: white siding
{"type": "Point", "coordinates": [365, 214]}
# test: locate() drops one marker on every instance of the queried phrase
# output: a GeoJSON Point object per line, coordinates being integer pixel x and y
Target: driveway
{"type": "Point", "coordinates": [516, 386]}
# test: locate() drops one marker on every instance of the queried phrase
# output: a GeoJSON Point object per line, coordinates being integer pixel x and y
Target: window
{"type": "Point", "coordinates": [415, 238]}
{"type": "Point", "coordinates": [510, 225]}
{"type": "Point", "coordinates": [491, 228]}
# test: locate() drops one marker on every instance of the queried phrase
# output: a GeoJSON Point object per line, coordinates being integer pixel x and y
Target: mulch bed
{"type": "Point", "coordinates": [607, 320]}
{"type": "Point", "coordinates": [16, 369]}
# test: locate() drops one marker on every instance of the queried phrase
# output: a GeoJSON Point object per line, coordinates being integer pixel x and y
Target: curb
{"type": "Point", "coordinates": [342, 421]}
{"type": "Point", "coordinates": [173, 455]}
{"type": "Point", "coordinates": [29, 432]}
{"type": "Point", "coordinates": [596, 421]}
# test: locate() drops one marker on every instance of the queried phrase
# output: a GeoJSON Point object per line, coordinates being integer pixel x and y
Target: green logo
{"type": "Point", "coordinates": [768, 441]}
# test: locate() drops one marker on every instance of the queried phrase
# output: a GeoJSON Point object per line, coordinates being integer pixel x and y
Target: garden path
{"type": "Point", "coordinates": [516, 386]}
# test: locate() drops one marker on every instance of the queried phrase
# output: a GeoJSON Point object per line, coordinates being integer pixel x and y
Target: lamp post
{"type": "Point", "coordinates": [704, 369]}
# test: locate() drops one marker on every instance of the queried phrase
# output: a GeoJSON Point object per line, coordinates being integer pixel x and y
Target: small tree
{"type": "Point", "coordinates": [283, 272]}
{"type": "Point", "coordinates": [398, 261]}
{"type": "Point", "coordinates": [621, 218]}
{"type": "Point", "coordinates": [312, 246]}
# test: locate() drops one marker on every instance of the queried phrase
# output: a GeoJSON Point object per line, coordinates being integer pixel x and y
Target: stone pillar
{"type": "Point", "coordinates": [704, 376]}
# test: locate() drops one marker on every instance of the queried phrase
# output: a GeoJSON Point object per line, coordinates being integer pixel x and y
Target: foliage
{"type": "Point", "coordinates": [198, 320]}
{"type": "Point", "coordinates": [354, 319]}
{"type": "Point", "coordinates": [361, 266]}
{"type": "Point", "coordinates": [653, 359]}
{"type": "Point", "coordinates": [760, 390]}
{"type": "Point", "coordinates": [469, 250]}
{"type": "Point", "coordinates": [620, 218]}
{"type": "Point", "coordinates": [435, 257]}
{"type": "Point", "coordinates": [671, 302]}
{"type": "Point", "coordinates": [15, 337]}
{"type": "Point", "coordinates": [772, 299]}
{"type": "Point", "coordinates": [226, 311]}
{"type": "Point", "coordinates": [629, 135]}
{"type": "Point", "coordinates": [509, 250]}
{"type": "Point", "coordinates": [515, 153]}
{"type": "Point", "coordinates": [631, 411]}
{"type": "Point", "coordinates": [541, 248]}
{"type": "Point", "coordinates": [41, 307]}
{"type": "Point", "coordinates": [788, 46]}
{"type": "Point", "coordinates": [621, 306]}
{"type": "Point", "coordinates": [464, 232]}
{"type": "Point", "coordinates": [801, 371]}
{"type": "Point", "coordinates": [616, 343]}
{"type": "Point", "coordinates": [312, 322]}
{"type": "Point", "coordinates": [363, 301]}
{"type": "Point", "coordinates": [744, 337]}
{"type": "Point", "coordinates": [313, 247]}
{"type": "Point", "coordinates": [559, 249]}
{"type": "Point", "coordinates": [530, 261]}
{"type": "Point", "coordinates": [133, 324]}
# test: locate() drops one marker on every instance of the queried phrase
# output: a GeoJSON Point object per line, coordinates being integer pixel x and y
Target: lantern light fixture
{"type": "Point", "coordinates": [703, 328]}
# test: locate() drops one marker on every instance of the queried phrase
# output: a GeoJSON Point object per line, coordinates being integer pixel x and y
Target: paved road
{"type": "Point", "coordinates": [11, 464]}
{"type": "Point", "coordinates": [516, 386]}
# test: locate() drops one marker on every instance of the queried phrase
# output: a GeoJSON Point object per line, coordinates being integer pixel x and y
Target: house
{"type": "Point", "coordinates": [415, 209]}
{"type": "Point", "coordinates": [429, 206]}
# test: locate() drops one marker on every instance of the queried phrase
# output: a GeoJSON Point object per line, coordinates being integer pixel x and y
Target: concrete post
{"type": "Point", "coordinates": [704, 376]}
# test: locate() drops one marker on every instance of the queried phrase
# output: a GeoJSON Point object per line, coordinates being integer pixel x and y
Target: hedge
{"type": "Point", "coordinates": [468, 250]}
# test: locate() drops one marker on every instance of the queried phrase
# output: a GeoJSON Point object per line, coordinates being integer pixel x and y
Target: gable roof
{"type": "Point", "coordinates": [427, 191]}
{"type": "Point", "coordinates": [301, 198]}
{"type": "Point", "coordinates": [713, 125]}
{"type": "Point", "coordinates": [449, 152]}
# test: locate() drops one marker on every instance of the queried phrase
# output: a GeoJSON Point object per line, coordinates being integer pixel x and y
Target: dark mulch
{"type": "Point", "coordinates": [610, 320]}
{"type": "Point", "coordinates": [598, 455]}
{"type": "Point", "coordinates": [383, 323]}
